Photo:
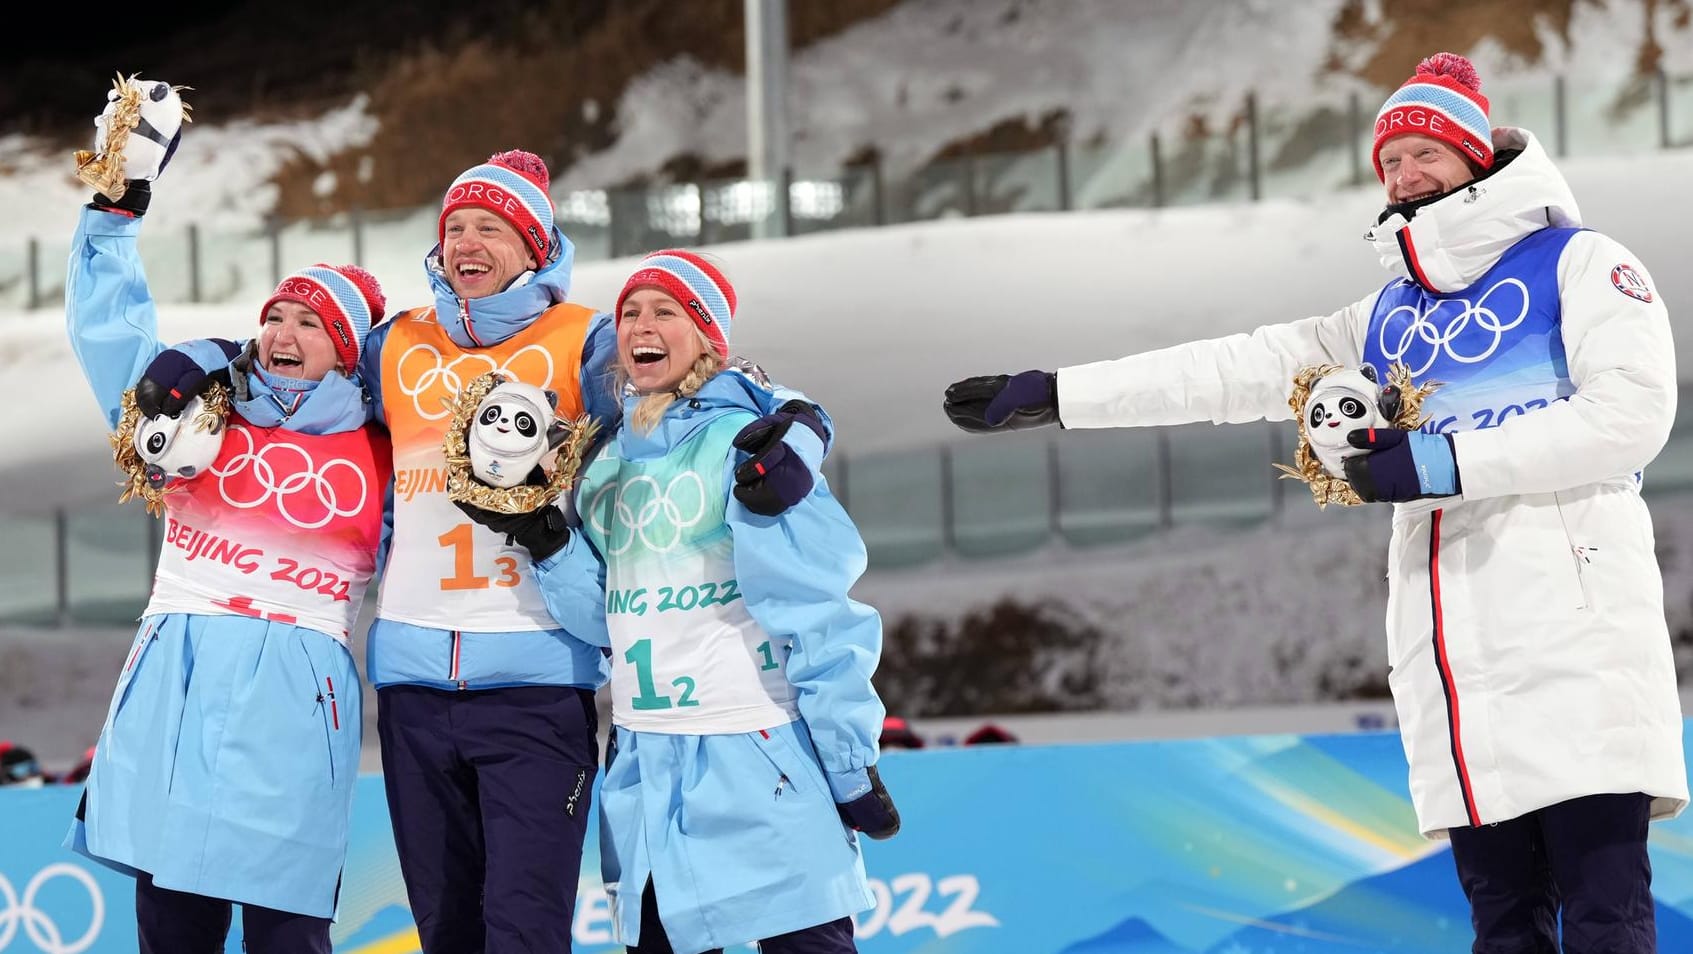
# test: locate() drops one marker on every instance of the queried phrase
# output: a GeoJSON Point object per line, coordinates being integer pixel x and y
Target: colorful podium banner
{"type": "Point", "coordinates": [1267, 844]}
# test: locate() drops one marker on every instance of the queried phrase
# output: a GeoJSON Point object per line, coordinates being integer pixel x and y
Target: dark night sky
{"type": "Point", "coordinates": [53, 73]}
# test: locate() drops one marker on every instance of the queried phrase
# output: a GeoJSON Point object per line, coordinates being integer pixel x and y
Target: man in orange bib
{"type": "Point", "coordinates": [486, 705]}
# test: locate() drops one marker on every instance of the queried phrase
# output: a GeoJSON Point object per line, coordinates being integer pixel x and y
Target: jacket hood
{"type": "Point", "coordinates": [480, 322]}
{"type": "Point", "coordinates": [1448, 244]}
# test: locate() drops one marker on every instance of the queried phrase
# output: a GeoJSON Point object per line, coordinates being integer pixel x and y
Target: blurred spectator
{"type": "Point", "coordinates": [989, 734]}
{"type": "Point", "coordinates": [18, 766]}
{"type": "Point", "coordinates": [78, 773]}
{"type": "Point", "coordinates": [896, 734]}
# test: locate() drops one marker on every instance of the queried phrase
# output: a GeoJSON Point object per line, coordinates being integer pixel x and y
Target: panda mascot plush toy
{"type": "Point", "coordinates": [515, 425]}
{"type": "Point", "coordinates": [182, 446]}
{"type": "Point", "coordinates": [1340, 403]}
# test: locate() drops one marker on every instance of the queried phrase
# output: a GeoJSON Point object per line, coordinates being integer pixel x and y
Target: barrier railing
{"type": "Point", "coordinates": [977, 499]}
{"type": "Point", "coordinates": [1260, 151]}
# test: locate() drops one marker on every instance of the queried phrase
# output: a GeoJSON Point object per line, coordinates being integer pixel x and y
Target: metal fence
{"type": "Point", "coordinates": [1263, 150]}
{"type": "Point", "coordinates": [980, 499]}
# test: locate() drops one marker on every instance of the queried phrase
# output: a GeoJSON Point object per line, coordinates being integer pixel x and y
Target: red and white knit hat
{"type": "Point", "coordinates": [695, 283]}
{"type": "Point", "coordinates": [346, 297]}
{"type": "Point", "coordinates": [1443, 101]}
{"type": "Point", "coordinates": [512, 185]}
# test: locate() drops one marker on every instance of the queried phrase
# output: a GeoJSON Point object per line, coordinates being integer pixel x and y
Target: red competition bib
{"type": "Point", "coordinates": [282, 526]}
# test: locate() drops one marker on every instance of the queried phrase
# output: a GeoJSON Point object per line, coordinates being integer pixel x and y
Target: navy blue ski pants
{"type": "Point", "coordinates": [176, 922]}
{"type": "Point", "coordinates": [488, 792]}
{"type": "Point", "coordinates": [1584, 859]}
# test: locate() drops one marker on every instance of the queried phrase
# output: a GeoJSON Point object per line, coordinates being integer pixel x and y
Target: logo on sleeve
{"type": "Point", "coordinates": [1630, 283]}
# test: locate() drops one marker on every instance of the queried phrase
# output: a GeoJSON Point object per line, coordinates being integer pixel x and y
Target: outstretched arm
{"type": "Point", "coordinates": [1233, 379]}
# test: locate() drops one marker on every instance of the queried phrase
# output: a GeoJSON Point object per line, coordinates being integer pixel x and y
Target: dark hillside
{"type": "Point", "coordinates": [452, 83]}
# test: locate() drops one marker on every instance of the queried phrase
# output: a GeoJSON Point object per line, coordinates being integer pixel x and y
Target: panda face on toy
{"type": "Point", "coordinates": [1340, 403]}
{"type": "Point", "coordinates": [514, 427]}
{"type": "Point", "coordinates": [176, 446]}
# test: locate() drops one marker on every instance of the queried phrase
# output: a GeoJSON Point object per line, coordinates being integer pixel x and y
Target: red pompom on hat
{"type": "Point", "coordinates": [1441, 100]}
{"type": "Point", "coordinates": [347, 298]}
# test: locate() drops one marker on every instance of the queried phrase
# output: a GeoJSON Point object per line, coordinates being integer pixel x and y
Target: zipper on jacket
{"type": "Point", "coordinates": [146, 638]}
{"type": "Point", "coordinates": [334, 711]}
{"type": "Point", "coordinates": [453, 660]}
{"type": "Point", "coordinates": [334, 714]}
{"type": "Point", "coordinates": [1443, 667]}
{"type": "Point", "coordinates": [1579, 555]}
{"type": "Point", "coordinates": [464, 318]}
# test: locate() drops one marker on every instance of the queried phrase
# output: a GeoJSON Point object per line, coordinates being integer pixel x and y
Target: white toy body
{"type": "Point", "coordinates": [152, 141]}
{"type": "Point", "coordinates": [176, 446]}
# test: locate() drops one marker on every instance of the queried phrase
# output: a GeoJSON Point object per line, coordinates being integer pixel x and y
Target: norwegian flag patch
{"type": "Point", "coordinates": [1630, 283]}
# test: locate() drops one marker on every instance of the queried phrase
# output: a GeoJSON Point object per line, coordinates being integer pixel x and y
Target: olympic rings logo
{"type": "Point", "coordinates": [443, 380]}
{"type": "Point", "coordinates": [306, 475]}
{"type": "Point", "coordinates": [643, 512]}
{"type": "Point", "coordinates": [1400, 337]}
{"type": "Point", "coordinates": [42, 930]}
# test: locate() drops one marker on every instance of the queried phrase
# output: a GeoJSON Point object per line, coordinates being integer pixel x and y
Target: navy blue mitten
{"type": "Point", "coordinates": [1001, 402]}
{"type": "Point", "coordinates": [775, 478]}
{"type": "Point", "coordinates": [873, 812]}
{"type": "Point", "coordinates": [1402, 465]}
{"type": "Point", "coordinates": [173, 379]}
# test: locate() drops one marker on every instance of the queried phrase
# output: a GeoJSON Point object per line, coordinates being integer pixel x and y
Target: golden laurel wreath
{"type": "Point", "coordinates": [103, 169]}
{"type": "Point", "coordinates": [462, 485]}
{"type": "Point", "coordinates": [137, 482]}
{"type": "Point", "coordinates": [1325, 487]}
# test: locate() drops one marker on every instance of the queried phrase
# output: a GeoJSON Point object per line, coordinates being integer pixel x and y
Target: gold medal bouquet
{"type": "Point", "coordinates": [500, 433]}
{"type": "Point", "coordinates": [1330, 401]}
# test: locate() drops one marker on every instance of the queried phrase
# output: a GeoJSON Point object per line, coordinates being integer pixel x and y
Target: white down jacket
{"type": "Point", "coordinates": [1530, 661]}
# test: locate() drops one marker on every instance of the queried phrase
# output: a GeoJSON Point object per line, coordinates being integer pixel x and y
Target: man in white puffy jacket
{"type": "Point", "coordinates": [1530, 661]}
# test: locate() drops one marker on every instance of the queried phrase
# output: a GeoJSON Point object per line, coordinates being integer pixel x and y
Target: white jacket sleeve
{"type": "Point", "coordinates": [1622, 362]}
{"type": "Point", "coordinates": [1235, 379]}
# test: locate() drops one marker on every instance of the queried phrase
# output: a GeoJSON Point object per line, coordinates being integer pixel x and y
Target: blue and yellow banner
{"type": "Point", "coordinates": [1263, 844]}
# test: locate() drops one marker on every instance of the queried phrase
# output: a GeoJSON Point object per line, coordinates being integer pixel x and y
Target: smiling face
{"type": "Point", "coordinates": [657, 341]}
{"type": "Point", "coordinates": [482, 252]}
{"type": "Point", "coordinates": [1415, 167]}
{"type": "Point", "coordinates": [294, 343]}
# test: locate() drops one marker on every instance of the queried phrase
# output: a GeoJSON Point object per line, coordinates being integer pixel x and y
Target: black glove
{"type": "Point", "coordinates": [542, 531]}
{"type": "Point", "coordinates": [999, 402]}
{"type": "Point", "coordinates": [173, 379]}
{"type": "Point", "coordinates": [1402, 465]}
{"type": "Point", "coordinates": [872, 813]}
{"type": "Point", "coordinates": [774, 478]}
{"type": "Point", "coordinates": [134, 202]}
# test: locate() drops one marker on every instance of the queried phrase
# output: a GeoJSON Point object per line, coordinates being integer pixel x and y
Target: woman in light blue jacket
{"type": "Point", "coordinates": [744, 749]}
{"type": "Point", "coordinates": [224, 770]}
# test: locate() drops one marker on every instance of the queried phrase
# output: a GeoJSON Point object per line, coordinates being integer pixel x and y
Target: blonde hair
{"type": "Point", "coordinates": [650, 409]}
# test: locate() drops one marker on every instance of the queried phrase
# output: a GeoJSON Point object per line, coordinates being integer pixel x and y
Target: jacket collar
{"type": "Point", "coordinates": [486, 321]}
{"type": "Point", "coordinates": [727, 390]}
{"type": "Point", "coordinates": [1449, 243]}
